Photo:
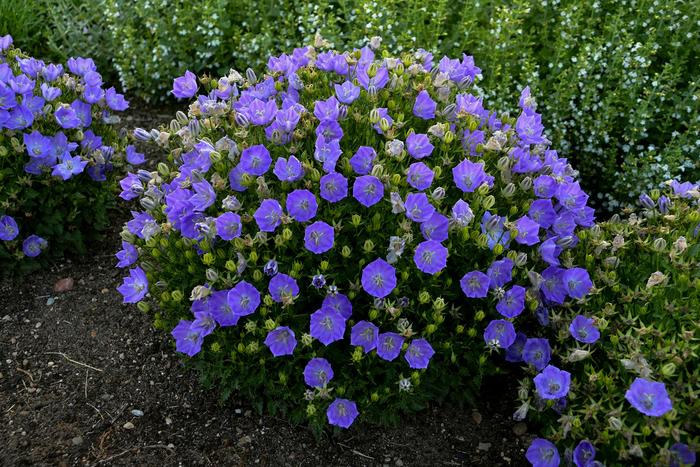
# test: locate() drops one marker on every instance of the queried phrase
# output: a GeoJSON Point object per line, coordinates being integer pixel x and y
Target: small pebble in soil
{"type": "Point", "coordinates": [244, 440]}
{"type": "Point", "coordinates": [50, 301]}
{"type": "Point", "coordinates": [520, 428]}
{"type": "Point", "coordinates": [77, 441]}
{"type": "Point", "coordinates": [137, 413]}
{"type": "Point", "coordinates": [476, 416]}
{"type": "Point", "coordinates": [484, 446]}
{"type": "Point", "coordinates": [128, 426]}
{"type": "Point", "coordinates": [64, 285]}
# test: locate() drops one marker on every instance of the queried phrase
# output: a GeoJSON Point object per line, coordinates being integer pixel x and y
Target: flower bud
{"type": "Point", "coordinates": [526, 183]}
{"type": "Point", "coordinates": [424, 297]}
{"type": "Point", "coordinates": [374, 116]}
{"type": "Point", "coordinates": [142, 135]}
{"type": "Point", "coordinates": [659, 244]}
{"type": "Point", "coordinates": [488, 203]}
{"type": "Point", "coordinates": [449, 137]}
{"type": "Point", "coordinates": [479, 315]}
{"type": "Point", "coordinates": [498, 249]}
{"type": "Point", "coordinates": [257, 275]}
{"type": "Point", "coordinates": [250, 76]}
{"type": "Point", "coordinates": [668, 369]}
{"type": "Point", "coordinates": [368, 246]}
{"type": "Point", "coordinates": [143, 307]}
{"type": "Point", "coordinates": [211, 275]}
{"type": "Point", "coordinates": [287, 233]}
{"type": "Point", "coordinates": [346, 251]}
{"type": "Point", "coordinates": [438, 193]}
{"type": "Point", "coordinates": [615, 423]}
{"type": "Point", "coordinates": [508, 191]}
{"type": "Point", "coordinates": [483, 189]}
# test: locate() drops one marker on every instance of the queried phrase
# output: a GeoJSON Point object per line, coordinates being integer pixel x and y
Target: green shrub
{"type": "Point", "coordinates": [646, 304]}
{"type": "Point", "coordinates": [209, 233]}
{"type": "Point", "coordinates": [619, 80]}
{"type": "Point", "coordinates": [57, 169]}
{"type": "Point", "coordinates": [24, 21]}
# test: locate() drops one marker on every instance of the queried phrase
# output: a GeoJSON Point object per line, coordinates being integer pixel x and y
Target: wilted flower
{"type": "Point", "coordinates": [656, 278]}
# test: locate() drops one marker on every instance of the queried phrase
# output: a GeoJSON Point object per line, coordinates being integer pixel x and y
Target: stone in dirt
{"type": "Point", "coordinates": [520, 428]}
{"type": "Point", "coordinates": [77, 441]}
{"type": "Point", "coordinates": [64, 285]}
{"type": "Point", "coordinates": [129, 426]}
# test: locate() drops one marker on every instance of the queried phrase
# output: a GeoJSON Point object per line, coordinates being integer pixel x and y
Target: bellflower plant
{"type": "Point", "coordinates": [340, 216]}
{"type": "Point", "coordinates": [627, 347]}
{"type": "Point", "coordinates": [59, 157]}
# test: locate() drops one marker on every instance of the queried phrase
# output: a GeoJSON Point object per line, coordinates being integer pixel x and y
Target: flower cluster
{"type": "Point", "coordinates": [629, 348]}
{"type": "Point", "coordinates": [343, 225]}
{"type": "Point", "coordinates": [55, 132]}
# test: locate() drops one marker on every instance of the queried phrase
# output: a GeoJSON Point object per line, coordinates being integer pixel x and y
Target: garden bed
{"type": "Point", "coordinates": [86, 380]}
{"type": "Point", "coordinates": [75, 365]}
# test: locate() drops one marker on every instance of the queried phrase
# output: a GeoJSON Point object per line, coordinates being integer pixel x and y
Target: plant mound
{"type": "Point", "coordinates": [345, 234]}
{"type": "Point", "coordinates": [58, 152]}
{"type": "Point", "coordinates": [630, 349]}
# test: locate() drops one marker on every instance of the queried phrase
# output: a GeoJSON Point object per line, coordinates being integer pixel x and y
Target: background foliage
{"type": "Point", "coordinates": [619, 80]}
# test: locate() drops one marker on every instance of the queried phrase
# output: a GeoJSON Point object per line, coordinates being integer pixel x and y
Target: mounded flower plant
{"type": "Point", "coordinates": [628, 350]}
{"type": "Point", "coordinates": [58, 154]}
{"type": "Point", "coordinates": [341, 238]}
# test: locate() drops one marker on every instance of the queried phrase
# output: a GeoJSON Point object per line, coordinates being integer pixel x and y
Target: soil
{"type": "Point", "coordinates": [86, 380]}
